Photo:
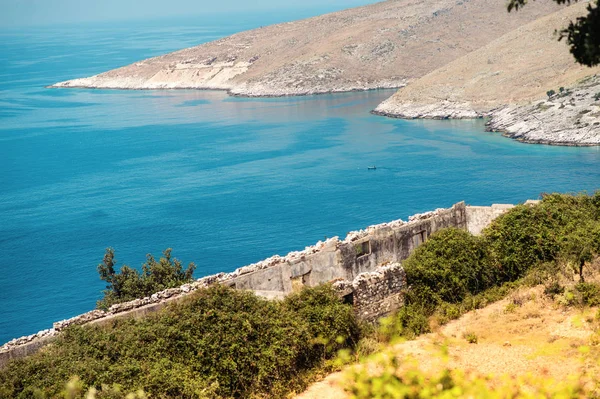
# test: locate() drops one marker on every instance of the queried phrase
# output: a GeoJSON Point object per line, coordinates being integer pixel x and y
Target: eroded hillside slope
{"type": "Point", "coordinates": [377, 46]}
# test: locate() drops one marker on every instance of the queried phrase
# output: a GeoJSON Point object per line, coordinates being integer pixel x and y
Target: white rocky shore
{"type": "Point", "coordinates": [434, 110]}
{"type": "Point", "coordinates": [569, 117]}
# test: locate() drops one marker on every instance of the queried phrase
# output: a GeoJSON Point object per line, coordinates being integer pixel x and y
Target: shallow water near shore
{"type": "Point", "coordinates": [223, 181]}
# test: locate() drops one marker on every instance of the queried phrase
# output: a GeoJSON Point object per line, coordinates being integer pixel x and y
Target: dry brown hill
{"type": "Point", "coordinates": [517, 68]}
{"type": "Point", "coordinates": [380, 45]}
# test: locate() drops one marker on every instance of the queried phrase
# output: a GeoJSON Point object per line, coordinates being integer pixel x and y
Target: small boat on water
{"type": "Point", "coordinates": [371, 167]}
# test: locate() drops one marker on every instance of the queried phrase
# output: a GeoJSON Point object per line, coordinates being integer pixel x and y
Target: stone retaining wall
{"type": "Point", "coordinates": [362, 251]}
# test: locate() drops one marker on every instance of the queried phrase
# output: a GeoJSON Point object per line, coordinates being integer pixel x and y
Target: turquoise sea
{"type": "Point", "coordinates": [223, 181]}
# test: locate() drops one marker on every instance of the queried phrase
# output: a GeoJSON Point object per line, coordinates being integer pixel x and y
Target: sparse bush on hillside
{"type": "Point", "coordinates": [471, 337]}
{"type": "Point", "coordinates": [129, 283]}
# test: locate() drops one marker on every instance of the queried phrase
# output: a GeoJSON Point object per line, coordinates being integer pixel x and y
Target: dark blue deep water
{"type": "Point", "coordinates": [223, 181]}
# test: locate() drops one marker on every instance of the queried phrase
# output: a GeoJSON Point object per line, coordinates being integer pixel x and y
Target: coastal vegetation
{"type": "Point", "coordinates": [455, 272]}
{"type": "Point", "coordinates": [223, 343]}
{"type": "Point", "coordinates": [554, 244]}
{"type": "Point", "coordinates": [219, 342]}
{"type": "Point", "coordinates": [129, 283]}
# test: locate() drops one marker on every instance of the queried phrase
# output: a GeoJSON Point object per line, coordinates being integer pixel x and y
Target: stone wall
{"type": "Point", "coordinates": [375, 294]}
{"type": "Point", "coordinates": [360, 252]}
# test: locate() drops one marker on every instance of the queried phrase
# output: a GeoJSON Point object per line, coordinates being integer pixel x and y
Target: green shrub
{"type": "Point", "coordinates": [527, 235]}
{"type": "Point", "coordinates": [447, 268]}
{"type": "Point", "coordinates": [589, 294]}
{"type": "Point", "coordinates": [553, 288]}
{"type": "Point", "coordinates": [219, 342]}
{"type": "Point", "coordinates": [471, 337]}
{"type": "Point", "coordinates": [333, 325]}
{"type": "Point", "coordinates": [511, 307]}
{"type": "Point", "coordinates": [130, 284]}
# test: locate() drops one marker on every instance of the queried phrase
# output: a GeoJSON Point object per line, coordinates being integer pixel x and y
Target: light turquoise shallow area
{"type": "Point", "coordinates": [223, 181]}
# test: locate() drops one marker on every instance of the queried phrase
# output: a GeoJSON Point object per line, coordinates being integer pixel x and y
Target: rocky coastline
{"type": "Point", "coordinates": [486, 73]}
{"type": "Point", "coordinates": [568, 116]}
{"type": "Point", "coordinates": [439, 110]}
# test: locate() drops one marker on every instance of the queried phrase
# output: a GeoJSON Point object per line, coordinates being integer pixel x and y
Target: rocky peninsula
{"type": "Point", "coordinates": [383, 45]}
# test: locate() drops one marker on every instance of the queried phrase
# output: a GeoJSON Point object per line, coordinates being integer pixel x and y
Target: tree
{"type": "Point", "coordinates": [130, 284]}
{"type": "Point", "coordinates": [583, 34]}
{"type": "Point", "coordinates": [582, 245]}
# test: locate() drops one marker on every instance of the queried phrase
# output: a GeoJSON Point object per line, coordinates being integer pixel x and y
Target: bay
{"type": "Point", "coordinates": [223, 181]}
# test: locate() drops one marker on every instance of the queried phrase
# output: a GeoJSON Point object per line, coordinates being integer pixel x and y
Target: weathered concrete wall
{"type": "Point", "coordinates": [360, 252]}
{"type": "Point", "coordinates": [479, 217]}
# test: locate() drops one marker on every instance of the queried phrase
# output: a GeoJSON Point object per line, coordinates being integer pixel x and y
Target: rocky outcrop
{"type": "Point", "coordinates": [434, 110]}
{"type": "Point", "coordinates": [571, 116]}
{"type": "Point", "coordinates": [502, 78]}
{"type": "Point", "coordinates": [383, 45]}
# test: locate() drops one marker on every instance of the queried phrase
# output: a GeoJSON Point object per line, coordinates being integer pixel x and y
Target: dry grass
{"type": "Point", "coordinates": [378, 45]}
{"type": "Point", "coordinates": [537, 336]}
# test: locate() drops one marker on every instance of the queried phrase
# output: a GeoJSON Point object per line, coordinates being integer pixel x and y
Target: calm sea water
{"type": "Point", "coordinates": [223, 181]}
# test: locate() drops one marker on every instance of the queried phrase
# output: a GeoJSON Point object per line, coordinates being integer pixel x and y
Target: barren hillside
{"type": "Point", "coordinates": [377, 46]}
{"type": "Point", "coordinates": [517, 68]}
